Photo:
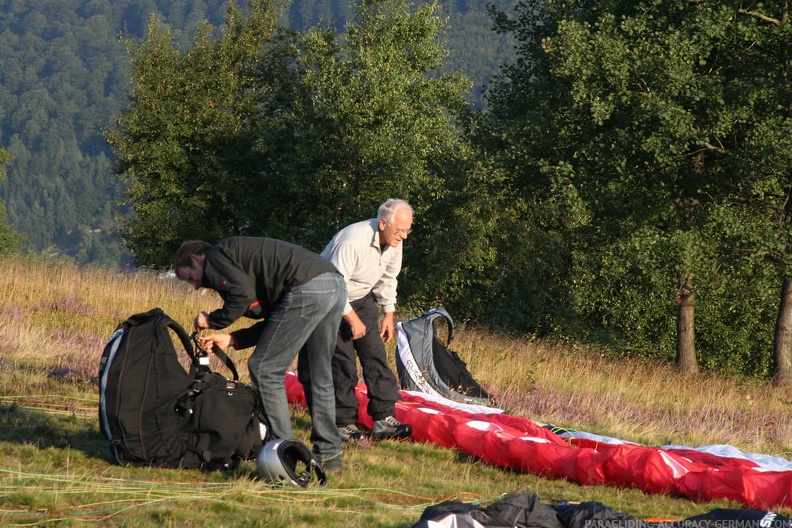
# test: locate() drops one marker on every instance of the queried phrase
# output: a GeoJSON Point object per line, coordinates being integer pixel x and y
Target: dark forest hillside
{"type": "Point", "coordinates": [63, 78]}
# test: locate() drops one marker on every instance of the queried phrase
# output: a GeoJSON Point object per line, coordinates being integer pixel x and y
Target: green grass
{"type": "Point", "coordinates": [55, 466]}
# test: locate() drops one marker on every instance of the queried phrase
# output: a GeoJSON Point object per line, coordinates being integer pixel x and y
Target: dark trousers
{"type": "Point", "coordinates": [381, 384]}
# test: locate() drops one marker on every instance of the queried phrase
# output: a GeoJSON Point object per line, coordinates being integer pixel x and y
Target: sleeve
{"type": "Point", "coordinates": [385, 289]}
{"type": "Point", "coordinates": [247, 337]}
{"type": "Point", "coordinates": [225, 276]}
{"type": "Point", "coordinates": [344, 256]}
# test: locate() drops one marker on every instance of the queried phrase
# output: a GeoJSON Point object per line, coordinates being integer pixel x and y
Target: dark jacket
{"type": "Point", "coordinates": [251, 275]}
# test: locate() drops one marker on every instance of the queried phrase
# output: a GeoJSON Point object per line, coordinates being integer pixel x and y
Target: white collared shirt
{"type": "Point", "coordinates": [356, 252]}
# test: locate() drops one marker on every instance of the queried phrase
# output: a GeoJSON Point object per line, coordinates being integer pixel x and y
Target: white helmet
{"type": "Point", "coordinates": [288, 461]}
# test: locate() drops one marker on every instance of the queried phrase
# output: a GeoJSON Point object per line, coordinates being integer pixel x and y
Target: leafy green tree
{"type": "Point", "coordinates": [365, 119]}
{"type": "Point", "coordinates": [184, 144]}
{"type": "Point", "coordinates": [9, 239]}
{"type": "Point", "coordinates": [370, 114]}
{"type": "Point", "coordinates": [656, 136]}
{"type": "Point", "coordinates": [782, 346]}
{"type": "Point", "coordinates": [322, 130]}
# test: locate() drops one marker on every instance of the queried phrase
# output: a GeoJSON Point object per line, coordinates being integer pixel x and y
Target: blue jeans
{"type": "Point", "coordinates": [308, 315]}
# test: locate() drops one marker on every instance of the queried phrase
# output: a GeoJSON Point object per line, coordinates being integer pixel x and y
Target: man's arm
{"type": "Point", "coordinates": [358, 327]}
{"type": "Point", "coordinates": [231, 282]}
{"type": "Point", "coordinates": [345, 253]}
{"type": "Point", "coordinates": [385, 293]}
{"type": "Point", "coordinates": [387, 328]}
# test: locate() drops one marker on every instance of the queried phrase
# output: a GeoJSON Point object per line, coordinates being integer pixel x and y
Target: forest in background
{"type": "Point", "coordinates": [64, 76]}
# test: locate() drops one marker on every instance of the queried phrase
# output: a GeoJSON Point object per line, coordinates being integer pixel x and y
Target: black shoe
{"type": "Point", "coordinates": [390, 427]}
{"type": "Point", "coordinates": [350, 433]}
{"type": "Point", "coordinates": [332, 465]}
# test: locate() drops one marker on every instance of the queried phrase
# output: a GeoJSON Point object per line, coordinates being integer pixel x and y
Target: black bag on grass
{"type": "Point", "coordinates": [154, 412]}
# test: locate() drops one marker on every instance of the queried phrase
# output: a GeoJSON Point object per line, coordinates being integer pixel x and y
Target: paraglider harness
{"type": "Point", "coordinates": [153, 412]}
{"type": "Point", "coordinates": [425, 364]}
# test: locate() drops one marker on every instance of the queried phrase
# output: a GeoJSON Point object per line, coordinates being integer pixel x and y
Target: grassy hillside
{"type": "Point", "coordinates": [55, 465]}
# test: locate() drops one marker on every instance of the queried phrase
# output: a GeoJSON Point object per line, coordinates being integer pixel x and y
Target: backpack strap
{"type": "Point", "coordinates": [166, 320]}
{"type": "Point", "coordinates": [201, 358]}
{"type": "Point", "coordinates": [435, 313]}
{"type": "Point", "coordinates": [179, 330]}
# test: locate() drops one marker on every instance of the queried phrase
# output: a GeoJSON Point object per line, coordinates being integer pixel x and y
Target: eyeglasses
{"type": "Point", "coordinates": [402, 232]}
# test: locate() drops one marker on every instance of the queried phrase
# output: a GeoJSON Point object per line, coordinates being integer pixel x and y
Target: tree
{"type": "Point", "coordinates": [268, 133]}
{"type": "Point", "coordinates": [9, 239]}
{"type": "Point", "coordinates": [65, 76]}
{"type": "Point", "coordinates": [686, 347]}
{"type": "Point", "coordinates": [782, 349]}
{"type": "Point", "coordinates": [370, 115]}
{"type": "Point", "coordinates": [365, 119]}
{"type": "Point", "coordinates": [184, 144]}
{"type": "Point", "coordinates": [655, 138]}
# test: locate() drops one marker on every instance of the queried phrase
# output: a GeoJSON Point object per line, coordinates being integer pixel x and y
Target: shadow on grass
{"type": "Point", "coordinates": [26, 426]}
{"type": "Point", "coordinates": [29, 426]}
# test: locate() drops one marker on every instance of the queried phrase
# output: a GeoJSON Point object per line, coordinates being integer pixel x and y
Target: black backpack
{"type": "Point", "coordinates": [154, 412]}
{"type": "Point", "coordinates": [425, 364]}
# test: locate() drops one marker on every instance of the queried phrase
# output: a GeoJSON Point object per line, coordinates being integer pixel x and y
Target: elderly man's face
{"type": "Point", "coordinates": [392, 233]}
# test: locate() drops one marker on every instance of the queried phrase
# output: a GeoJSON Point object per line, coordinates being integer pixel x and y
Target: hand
{"type": "Point", "coordinates": [201, 321]}
{"type": "Point", "coordinates": [357, 326]}
{"type": "Point", "coordinates": [221, 340]}
{"type": "Point", "coordinates": [387, 328]}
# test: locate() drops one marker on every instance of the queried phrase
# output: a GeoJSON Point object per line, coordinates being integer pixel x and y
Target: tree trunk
{"type": "Point", "coordinates": [686, 334]}
{"type": "Point", "coordinates": [782, 346]}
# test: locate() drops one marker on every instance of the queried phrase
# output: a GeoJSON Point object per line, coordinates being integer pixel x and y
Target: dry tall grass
{"type": "Point", "coordinates": [636, 400]}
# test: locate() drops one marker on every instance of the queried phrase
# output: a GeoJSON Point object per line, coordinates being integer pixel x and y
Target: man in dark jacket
{"type": "Point", "coordinates": [301, 298]}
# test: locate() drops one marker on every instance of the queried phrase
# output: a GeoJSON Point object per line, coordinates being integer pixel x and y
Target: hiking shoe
{"type": "Point", "coordinates": [350, 433]}
{"type": "Point", "coordinates": [332, 465]}
{"type": "Point", "coordinates": [390, 427]}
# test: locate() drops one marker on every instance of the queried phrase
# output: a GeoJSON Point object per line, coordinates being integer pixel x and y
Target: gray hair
{"type": "Point", "coordinates": [389, 208]}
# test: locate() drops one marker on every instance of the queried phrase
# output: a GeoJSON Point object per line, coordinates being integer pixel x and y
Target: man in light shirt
{"type": "Point", "coordinates": [369, 256]}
